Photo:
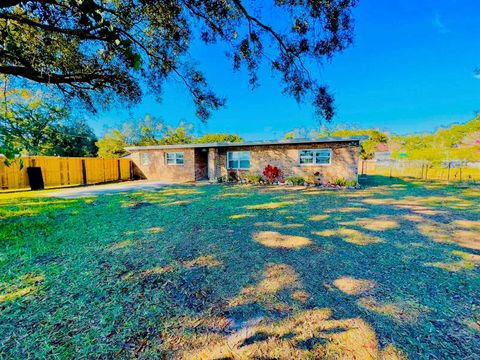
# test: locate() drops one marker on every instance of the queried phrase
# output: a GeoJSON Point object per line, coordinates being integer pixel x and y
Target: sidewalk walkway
{"type": "Point", "coordinates": [93, 190]}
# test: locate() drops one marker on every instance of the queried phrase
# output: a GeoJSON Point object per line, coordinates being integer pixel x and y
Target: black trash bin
{"type": "Point", "coordinates": [35, 178]}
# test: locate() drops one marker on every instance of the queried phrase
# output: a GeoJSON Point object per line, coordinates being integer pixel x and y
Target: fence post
{"type": "Point", "coordinates": [84, 172]}
{"type": "Point", "coordinates": [460, 174]}
{"type": "Point", "coordinates": [119, 170]}
{"type": "Point", "coordinates": [448, 172]}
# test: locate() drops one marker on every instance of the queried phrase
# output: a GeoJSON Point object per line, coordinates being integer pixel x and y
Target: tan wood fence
{"type": "Point", "coordinates": [63, 171]}
{"type": "Point", "coordinates": [448, 171]}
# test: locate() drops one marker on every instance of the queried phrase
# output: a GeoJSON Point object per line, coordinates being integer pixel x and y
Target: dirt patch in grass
{"type": "Point", "coordinates": [277, 240]}
{"type": "Point", "coordinates": [352, 286]}
{"type": "Point", "coordinates": [308, 334]}
{"type": "Point", "coordinates": [271, 205]}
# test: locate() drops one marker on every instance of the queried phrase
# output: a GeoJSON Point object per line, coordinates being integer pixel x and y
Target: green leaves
{"type": "Point", "coordinates": [96, 51]}
{"type": "Point", "coordinates": [10, 155]}
{"type": "Point", "coordinates": [36, 125]}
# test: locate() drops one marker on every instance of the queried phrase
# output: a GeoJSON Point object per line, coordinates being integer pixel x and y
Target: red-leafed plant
{"type": "Point", "coordinates": [272, 174]}
{"type": "Point", "coordinates": [232, 176]}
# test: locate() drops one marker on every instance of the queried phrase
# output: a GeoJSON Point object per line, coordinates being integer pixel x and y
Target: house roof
{"type": "Point", "coordinates": [250, 143]}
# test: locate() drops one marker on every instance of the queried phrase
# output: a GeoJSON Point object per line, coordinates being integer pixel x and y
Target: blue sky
{"type": "Point", "coordinates": [411, 69]}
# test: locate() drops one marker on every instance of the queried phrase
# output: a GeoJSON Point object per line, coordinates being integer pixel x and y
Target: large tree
{"type": "Point", "coordinates": [27, 119]}
{"type": "Point", "coordinates": [113, 144]}
{"type": "Point", "coordinates": [35, 124]}
{"type": "Point", "coordinates": [72, 138]}
{"type": "Point", "coordinates": [88, 48]}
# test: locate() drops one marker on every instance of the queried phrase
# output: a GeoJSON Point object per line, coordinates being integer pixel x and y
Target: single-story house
{"type": "Point", "coordinates": [323, 158]}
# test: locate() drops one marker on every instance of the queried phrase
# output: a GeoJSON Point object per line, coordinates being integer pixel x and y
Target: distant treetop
{"type": "Point", "coordinates": [218, 138]}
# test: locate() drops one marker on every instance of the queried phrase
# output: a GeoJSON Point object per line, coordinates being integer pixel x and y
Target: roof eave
{"type": "Point", "coordinates": [249, 143]}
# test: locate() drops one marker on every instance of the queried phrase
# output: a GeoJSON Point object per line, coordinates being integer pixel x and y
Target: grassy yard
{"type": "Point", "coordinates": [386, 272]}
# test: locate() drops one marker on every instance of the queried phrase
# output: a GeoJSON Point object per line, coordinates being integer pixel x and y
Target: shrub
{"type": "Point", "coordinates": [343, 182]}
{"type": "Point", "coordinates": [253, 179]}
{"type": "Point", "coordinates": [339, 181]}
{"type": "Point", "coordinates": [352, 183]}
{"type": "Point", "coordinates": [271, 173]}
{"type": "Point", "coordinates": [296, 180]}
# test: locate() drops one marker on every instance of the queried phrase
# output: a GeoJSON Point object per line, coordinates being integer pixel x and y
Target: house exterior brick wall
{"type": "Point", "coordinates": [344, 160]}
{"type": "Point", "coordinates": [200, 162]}
{"type": "Point", "coordinates": [157, 168]}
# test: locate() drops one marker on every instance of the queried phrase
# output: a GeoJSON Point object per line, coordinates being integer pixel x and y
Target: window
{"type": "Point", "coordinates": [175, 158]}
{"type": "Point", "coordinates": [144, 158]}
{"type": "Point", "coordinates": [238, 160]}
{"type": "Point", "coordinates": [316, 157]}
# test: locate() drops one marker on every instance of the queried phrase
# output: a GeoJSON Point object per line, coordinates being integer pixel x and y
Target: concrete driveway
{"type": "Point", "coordinates": [94, 190]}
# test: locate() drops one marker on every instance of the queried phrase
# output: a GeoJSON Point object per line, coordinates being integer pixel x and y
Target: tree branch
{"type": "Point", "coordinates": [52, 78]}
{"type": "Point", "coordinates": [267, 28]}
{"type": "Point", "coordinates": [83, 33]}
{"type": "Point", "coordinates": [272, 32]}
{"type": "Point", "coordinates": [9, 3]}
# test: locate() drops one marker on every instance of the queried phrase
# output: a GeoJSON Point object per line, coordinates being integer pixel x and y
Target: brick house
{"type": "Point", "coordinates": [323, 159]}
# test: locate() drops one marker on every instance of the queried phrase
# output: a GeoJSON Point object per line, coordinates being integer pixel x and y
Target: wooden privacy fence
{"type": "Point", "coordinates": [446, 171]}
{"type": "Point", "coordinates": [63, 171]}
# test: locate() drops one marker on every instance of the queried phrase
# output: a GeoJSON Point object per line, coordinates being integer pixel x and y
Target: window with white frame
{"type": "Point", "coordinates": [144, 158]}
{"type": "Point", "coordinates": [238, 160]}
{"type": "Point", "coordinates": [174, 158]}
{"type": "Point", "coordinates": [316, 157]}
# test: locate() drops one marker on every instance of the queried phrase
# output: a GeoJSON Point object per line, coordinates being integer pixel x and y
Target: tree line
{"type": "Point", "coordinates": [35, 123]}
{"type": "Point", "coordinates": [38, 123]}
{"type": "Point", "coordinates": [457, 142]}
{"type": "Point", "coordinates": [151, 131]}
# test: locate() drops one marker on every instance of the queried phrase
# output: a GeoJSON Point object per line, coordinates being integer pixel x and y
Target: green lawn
{"type": "Point", "coordinates": [217, 271]}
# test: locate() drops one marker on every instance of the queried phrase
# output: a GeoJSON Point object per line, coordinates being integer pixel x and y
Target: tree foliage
{"type": "Point", "coordinates": [34, 124]}
{"type": "Point", "coordinates": [9, 152]}
{"type": "Point", "coordinates": [152, 131]}
{"type": "Point", "coordinates": [218, 138]}
{"type": "Point", "coordinates": [367, 148]}
{"type": "Point", "coordinates": [112, 144]}
{"type": "Point", "coordinates": [458, 142]}
{"type": "Point", "coordinates": [72, 138]}
{"type": "Point", "coordinates": [179, 135]}
{"type": "Point", "coordinates": [111, 48]}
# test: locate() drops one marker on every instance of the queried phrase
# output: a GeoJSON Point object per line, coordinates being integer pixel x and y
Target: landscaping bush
{"type": "Point", "coordinates": [296, 180]}
{"type": "Point", "coordinates": [339, 182]}
{"type": "Point", "coordinates": [253, 179]}
{"type": "Point", "coordinates": [352, 183]}
{"type": "Point", "coordinates": [343, 182]}
{"type": "Point", "coordinates": [271, 174]}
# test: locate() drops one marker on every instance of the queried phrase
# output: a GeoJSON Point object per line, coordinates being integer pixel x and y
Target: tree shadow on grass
{"type": "Point", "coordinates": [220, 270]}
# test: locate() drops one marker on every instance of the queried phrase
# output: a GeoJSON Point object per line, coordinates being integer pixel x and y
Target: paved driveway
{"type": "Point", "coordinates": [93, 190]}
